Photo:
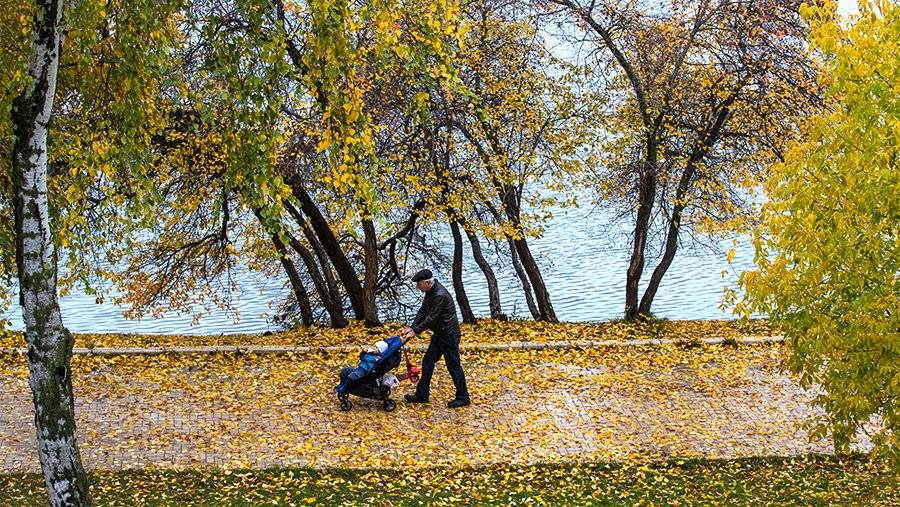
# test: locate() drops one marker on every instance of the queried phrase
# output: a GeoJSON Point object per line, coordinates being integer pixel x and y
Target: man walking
{"type": "Point", "coordinates": [438, 313]}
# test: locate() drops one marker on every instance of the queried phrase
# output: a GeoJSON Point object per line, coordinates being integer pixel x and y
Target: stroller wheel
{"type": "Point", "coordinates": [346, 405]}
{"type": "Point", "coordinates": [389, 405]}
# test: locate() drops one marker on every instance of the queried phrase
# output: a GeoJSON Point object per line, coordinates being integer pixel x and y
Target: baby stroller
{"type": "Point", "coordinates": [376, 385]}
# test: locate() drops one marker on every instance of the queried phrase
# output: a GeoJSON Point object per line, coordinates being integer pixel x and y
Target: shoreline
{"type": "Point", "coordinates": [486, 331]}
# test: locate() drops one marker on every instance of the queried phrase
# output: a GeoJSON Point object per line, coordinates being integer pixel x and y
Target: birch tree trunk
{"type": "Point", "coordinates": [49, 342]}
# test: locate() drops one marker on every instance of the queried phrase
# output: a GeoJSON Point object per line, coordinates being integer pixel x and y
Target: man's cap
{"type": "Point", "coordinates": [381, 345]}
{"type": "Point", "coordinates": [425, 274]}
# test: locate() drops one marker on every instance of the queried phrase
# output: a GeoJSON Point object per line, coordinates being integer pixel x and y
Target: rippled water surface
{"type": "Point", "coordinates": [582, 262]}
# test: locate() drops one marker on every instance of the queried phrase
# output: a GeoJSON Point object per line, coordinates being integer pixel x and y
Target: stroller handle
{"type": "Point", "coordinates": [402, 339]}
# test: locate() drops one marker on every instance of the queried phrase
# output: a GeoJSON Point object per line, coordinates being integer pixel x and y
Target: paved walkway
{"type": "Point", "coordinates": [529, 406]}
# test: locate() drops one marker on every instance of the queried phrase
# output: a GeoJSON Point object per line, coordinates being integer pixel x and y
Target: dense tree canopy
{"type": "Point", "coordinates": [828, 245]}
{"type": "Point", "coordinates": [328, 142]}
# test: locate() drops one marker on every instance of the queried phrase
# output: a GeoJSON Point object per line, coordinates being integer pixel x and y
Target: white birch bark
{"type": "Point", "coordinates": [49, 342]}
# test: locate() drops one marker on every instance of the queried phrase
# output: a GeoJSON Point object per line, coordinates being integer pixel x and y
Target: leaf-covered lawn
{"type": "Point", "coordinates": [487, 331]}
{"type": "Point", "coordinates": [811, 480]}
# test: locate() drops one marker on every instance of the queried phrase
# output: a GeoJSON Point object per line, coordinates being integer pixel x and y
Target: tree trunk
{"type": "Point", "coordinates": [330, 291]}
{"type": "Point", "coordinates": [458, 287]}
{"type": "Point", "coordinates": [520, 271]}
{"type": "Point", "coordinates": [332, 305]}
{"type": "Point", "coordinates": [510, 199]}
{"type": "Point", "coordinates": [671, 236]}
{"type": "Point", "coordinates": [332, 248]}
{"type": "Point", "coordinates": [684, 184]}
{"type": "Point", "coordinates": [664, 263]}
{"type": "Point", "coordinates": [520, 245]}
{"type": "Point", "coordinates": [300, 293]}
{"type": "Point", "coordinates": [370, 252]}
{"type": "Point", "coordinates": [49, 342]}
{"type": "Point", "coordinates": [523, 277]}
{"type": "Point", "coordinates": [646, 195]}
{"type": "Point", "coordinates": [545, 309]}
{"type": "Point", "coordinates": [511, 196]}
{"type": "Point", "coordinates": [493, 289]}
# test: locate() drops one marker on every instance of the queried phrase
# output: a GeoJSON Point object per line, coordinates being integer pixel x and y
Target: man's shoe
{"type": "Point", "coordinates": [412, 398]}
{"type": "Point", "coordinates": [458, 403]}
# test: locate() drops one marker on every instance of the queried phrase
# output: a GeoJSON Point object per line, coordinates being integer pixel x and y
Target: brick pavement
{"type": "Point", "coordinates": [264, 411]}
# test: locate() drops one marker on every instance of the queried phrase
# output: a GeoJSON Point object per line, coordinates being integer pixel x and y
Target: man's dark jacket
{"type": "Point", "coordinates": [438, 313]}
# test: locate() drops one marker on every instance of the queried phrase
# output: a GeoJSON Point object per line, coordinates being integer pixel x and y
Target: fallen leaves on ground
{"type": "Point", "coordinates": [246, 410]}
{"type": "Point", "coordinates": [802, 481]}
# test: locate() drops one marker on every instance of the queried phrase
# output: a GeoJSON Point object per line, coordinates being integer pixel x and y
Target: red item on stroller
{"type": "Point", "coordinates": [412, 371]}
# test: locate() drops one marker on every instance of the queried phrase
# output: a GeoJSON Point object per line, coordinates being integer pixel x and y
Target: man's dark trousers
{"type": "Point", "coordinates": [448, 346]}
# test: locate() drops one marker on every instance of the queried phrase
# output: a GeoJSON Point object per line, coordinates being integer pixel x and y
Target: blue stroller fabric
{"type": "Point", "coordinates": [371, 362]}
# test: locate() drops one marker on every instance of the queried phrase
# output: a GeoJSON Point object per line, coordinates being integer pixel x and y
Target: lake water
{"type": "Point", "coordinates": [583, 263]}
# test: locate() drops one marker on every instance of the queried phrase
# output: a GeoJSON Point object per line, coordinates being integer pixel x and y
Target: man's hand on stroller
{"type": "Point", "coordinates": [406, 333]}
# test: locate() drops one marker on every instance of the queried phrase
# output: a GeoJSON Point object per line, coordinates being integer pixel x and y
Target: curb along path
{"type": "Point", "coordinates": [418, 347]}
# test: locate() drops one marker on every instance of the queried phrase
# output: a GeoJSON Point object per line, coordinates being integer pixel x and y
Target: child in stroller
{"type": "Point", "coordinates": [371, 378]}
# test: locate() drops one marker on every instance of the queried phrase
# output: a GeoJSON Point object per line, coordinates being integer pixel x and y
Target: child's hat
{"type": "Point", "coordinates": [381, 345]}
